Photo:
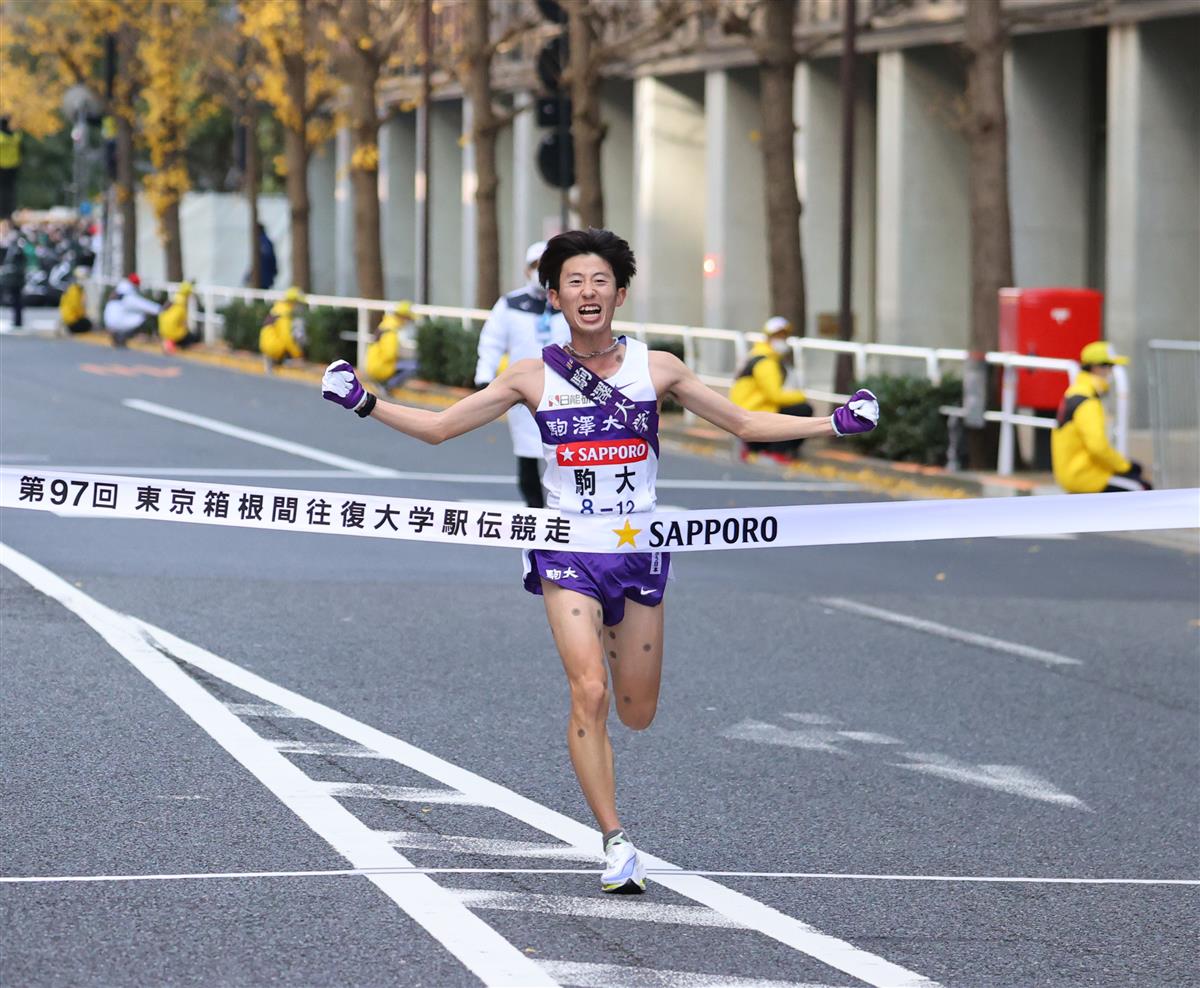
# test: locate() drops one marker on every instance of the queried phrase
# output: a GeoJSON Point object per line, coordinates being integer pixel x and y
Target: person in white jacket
{"type": "Point", "coordinates": [128, 312]}
{"type": "Point", "coordinates": [520, 325]}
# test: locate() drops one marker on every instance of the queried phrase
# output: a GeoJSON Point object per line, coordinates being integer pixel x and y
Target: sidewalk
{"type": "Point", "coordinates": [822, 458]}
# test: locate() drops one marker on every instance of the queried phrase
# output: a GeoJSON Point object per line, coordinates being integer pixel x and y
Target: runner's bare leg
{"type": "Point", "coordinates": [575, 621]}
{"type": "Point", "coordinates": [635, 652]}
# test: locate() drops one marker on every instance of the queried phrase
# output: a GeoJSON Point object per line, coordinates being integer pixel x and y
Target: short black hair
{"type": "Point", "coordinates": [603, 243]}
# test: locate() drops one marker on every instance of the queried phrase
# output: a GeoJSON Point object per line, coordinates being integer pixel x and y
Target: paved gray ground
{"type": "Point", "coordinates": [792, 736]}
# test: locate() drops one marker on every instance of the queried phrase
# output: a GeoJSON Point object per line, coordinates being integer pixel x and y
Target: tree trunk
{"type": "Point", "coordinates": [295, 150]}
{"type": "Point", "coordinates": [991, 233]}
{"type": "Point", "coordinates": [478, 88]}
{"type": "Point", "coordinates": [777, 78]}
{"type": "Point", "coordinates": [250, 186]}
{"type": "Point", "coordinates": [362, 73]}
{"type": "Point", "coordinates": [126, 195]}
{"type": "Point", "coordinates": [172, 241]}
{"type": "Point", "coordinates": [587, 129]}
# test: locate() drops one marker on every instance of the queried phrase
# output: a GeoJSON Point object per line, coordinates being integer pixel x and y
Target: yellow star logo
{"type": "Point", "coordinates": [626, 535]}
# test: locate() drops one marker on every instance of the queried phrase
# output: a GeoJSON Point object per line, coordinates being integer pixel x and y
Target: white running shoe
{"type": "Point", "coordinates": [624, 873]}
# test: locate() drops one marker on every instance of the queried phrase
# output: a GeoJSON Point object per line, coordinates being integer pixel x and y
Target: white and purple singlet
{"type": "Point", "coordinates": [601, 461]}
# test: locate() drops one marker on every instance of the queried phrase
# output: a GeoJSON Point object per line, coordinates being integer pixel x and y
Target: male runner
{"type": "Point", "coordinates": [604, 610]}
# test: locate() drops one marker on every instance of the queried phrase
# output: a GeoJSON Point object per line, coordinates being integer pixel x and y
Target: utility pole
{"type": "Point", "coordinates": [423, 143]}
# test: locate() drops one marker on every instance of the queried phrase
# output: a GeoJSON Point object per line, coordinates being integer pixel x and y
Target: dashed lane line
{"type": "Point", "coordinates": [582, 975]}
{"type": "Point", "coordinates": [945, 631]}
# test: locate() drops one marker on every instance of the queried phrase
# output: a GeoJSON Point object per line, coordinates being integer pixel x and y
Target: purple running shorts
{"type": "Point", "coordinates": [610, 578]}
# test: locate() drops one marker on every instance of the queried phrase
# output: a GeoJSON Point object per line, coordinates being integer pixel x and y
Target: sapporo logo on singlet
{"type": "Point", "coordinates": [601, 453]}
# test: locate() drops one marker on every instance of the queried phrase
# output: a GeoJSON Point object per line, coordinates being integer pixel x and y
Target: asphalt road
{"type": "Point", "coordinates": [188, 701]}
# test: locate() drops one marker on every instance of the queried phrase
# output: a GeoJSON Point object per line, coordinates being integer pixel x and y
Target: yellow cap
{"type": "Point", "coordinates": [185, 288]}
{"type": "Point", "coordinates": [1100, 353]}
{"type": "Point", "coordinates": [403, 309]}
{"type": "Point", "coordinates": [293, 294]}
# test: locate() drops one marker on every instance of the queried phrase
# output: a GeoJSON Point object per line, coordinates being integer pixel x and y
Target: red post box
{"type": "Point", "coordinates": [1047, 322]}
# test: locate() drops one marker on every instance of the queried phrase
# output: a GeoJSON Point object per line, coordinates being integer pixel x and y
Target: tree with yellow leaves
{"type": "Point", "coordinates": [171, 53]}
{"type": "Point", "coordinates": [295, 80]}
{"type": "Point", "coordinates": [53, 46]}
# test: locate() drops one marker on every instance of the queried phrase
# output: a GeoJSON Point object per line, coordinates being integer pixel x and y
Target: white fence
{"type": "Point", "coordinates": [717, 354]}
{"type": "Point", "coordinates": [1173, 371]}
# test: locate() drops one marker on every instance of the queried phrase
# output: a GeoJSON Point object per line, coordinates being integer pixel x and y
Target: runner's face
{"type": "Point", "coordinates": [587, 294]}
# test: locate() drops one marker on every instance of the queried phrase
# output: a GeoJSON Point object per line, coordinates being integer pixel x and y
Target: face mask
{"type": "Point", "coordinates": [781, 347]}
{"type": "Point", "coordinates": [1102, 384]}
{"type": "Point", "coordinates": [534, 287]}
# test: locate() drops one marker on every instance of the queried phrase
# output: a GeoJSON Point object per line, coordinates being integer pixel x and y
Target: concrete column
{"type": "Point", "coordinates": [735, 235]}
{"type": "Point", "coordinates": [322, 246]}
{"type": "Point", "coordinates": [669, 198]}
{"type": "Point", "coordinates": [617, 155]}
{"type": "Point", "coordinates": [397, 173]}
{"type": "Point", "coordinates": [534, 203]}
{"type": "Point", "coordinates": [446, 207]}
{"type": "Point", "coordinates": [923, 228]}
{"type": "Point", "coordinates": [1048, 158]}
{"type": "Point", "coordinates": [509, 256]}
{"type": "Point", "coordinates": [1153, 194]}
{"type": "Point", "coordinates": [345, 280]}
{"type": "Point", "coordinates": [819, 166]}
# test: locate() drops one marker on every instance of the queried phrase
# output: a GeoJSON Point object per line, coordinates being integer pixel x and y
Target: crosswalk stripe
{"type": "Point", "coordinates": [334, 749]}
{"type": "Point", "coordinates": [583, 975]}
{"type": "Point", "coordinates": [455, 844]}
{"type": "Point", "coordinates": [400, 794]}
{"type": "Point", "coordinates": [621, 908]}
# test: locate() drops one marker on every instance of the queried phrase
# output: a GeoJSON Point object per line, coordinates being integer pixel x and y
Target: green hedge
{"type": "Point", "coordinates": [911, 428]}
{"type": "Point", "coordinates": [243, 320]}
{"type": "Point", "coordinates": [323, 326]}
{"type": "Point", "coordinates": [447, 352]}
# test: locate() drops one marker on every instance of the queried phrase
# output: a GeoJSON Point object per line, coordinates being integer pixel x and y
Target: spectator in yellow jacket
{"type": "Point", "coordinates": [276, 341]}
{"type": "Point", "coordinates": [383, 354]}
{"type": "Point", "coordinates": [173, 321]}
{"type": "Point", "coordinates": [72, 308]}
{"type": "Point", "coordinates": [1084, 461]}
{"type": "Point", "coordinates": [759, 387]}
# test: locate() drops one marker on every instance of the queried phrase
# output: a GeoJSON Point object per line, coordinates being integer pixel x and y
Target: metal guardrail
{"type": "Point", "coordinates": [710, 363]}
{"type": "Point", "coordinates": [1173, 371]}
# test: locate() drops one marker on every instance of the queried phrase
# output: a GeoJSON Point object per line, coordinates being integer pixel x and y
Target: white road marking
{"type": "Point", "coordinates": [474, 943]}
{"type": "Point", "coordinates": [869, 737]}
{"type": "Point", "coordinates": [583, 975]}
{"type": "Point", "coordinates": [259, 438]}
{"type": "Point", "coordinates": [480, 948]}
{"type": "Point", "coordinates": [809, 738]}
{"type": "Point", "coordinates": [796, 934]}
{"type": "Point", "coordinates": [623, 909]}
{"type": "Point", "coordinates": [945, 631]}
{"type": "Point", "coordinates": [330, 749]}
{"type": "Point", "coordinates": [259, 710]}
{"type": "Point", "coordinates": [1012, 779]}
{"type": "Point", "coordinates": [398, 794]}
{"type": "Point", "coordinates": [486, 847]}
{"type": "Point", "coordinates": [814, 875]}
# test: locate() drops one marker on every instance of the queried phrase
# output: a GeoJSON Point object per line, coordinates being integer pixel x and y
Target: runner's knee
{"type": "Point", "coordinates": [636, 715]}
{"type": "Point", "coordinates": [589, 698]}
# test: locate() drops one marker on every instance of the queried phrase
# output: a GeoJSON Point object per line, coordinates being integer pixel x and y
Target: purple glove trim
{"type": "Point", "coordinates": [854, 417]}
{"type": "Point", "coordinates": [334, 383]}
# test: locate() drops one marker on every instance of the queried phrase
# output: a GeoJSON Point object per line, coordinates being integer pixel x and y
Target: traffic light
{"type": "Point", "coordinates": [556, 150]}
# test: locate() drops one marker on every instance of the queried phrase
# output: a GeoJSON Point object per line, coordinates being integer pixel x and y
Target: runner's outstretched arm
{"type": "Point", "coordinates": [340, 385]}
{"type": "Point", "coordinates": [859, 414]}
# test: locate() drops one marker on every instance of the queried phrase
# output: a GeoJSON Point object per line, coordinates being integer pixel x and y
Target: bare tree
{"type": "Point", "coordinates": [366, 35]}
{"type": "Point", "coordinates": [991, 224]}
{"type": "Point", "coordinates": [599, 33]}
{"type": "Point", "coordinates": [473, 69]}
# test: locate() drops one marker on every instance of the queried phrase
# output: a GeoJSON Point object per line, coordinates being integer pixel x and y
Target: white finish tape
{"type": "Point", "coordinates": [515, 527]}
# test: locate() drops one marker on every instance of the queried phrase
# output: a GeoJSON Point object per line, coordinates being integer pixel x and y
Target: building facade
{"type": "Point", "coordinates": [1104, 171]}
